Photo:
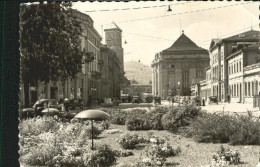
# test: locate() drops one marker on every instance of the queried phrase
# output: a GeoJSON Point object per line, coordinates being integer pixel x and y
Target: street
{"type": "Point", "coordinates": [226, 107]}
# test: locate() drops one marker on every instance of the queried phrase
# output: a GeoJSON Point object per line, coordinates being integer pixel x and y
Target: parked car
{"type": "Point", "coordinates": [213, 99]}
{"type": "Point", "coordinates": [39, 106]}
{"type": "Point", "coordinates": [157, 99]}
{"type": "Point", "coordinates": [108, 102]}
{"type": "Point", "coordinates": [136, 99]}
{"type": "Point", "coordinates": [74, 103]}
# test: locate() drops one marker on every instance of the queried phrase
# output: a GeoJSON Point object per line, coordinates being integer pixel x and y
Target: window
{"type": "Point", "coordinates": [240, 66]}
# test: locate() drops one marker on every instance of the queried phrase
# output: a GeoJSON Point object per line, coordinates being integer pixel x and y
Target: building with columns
{"type": "Point", "coordinates": [183, 62]}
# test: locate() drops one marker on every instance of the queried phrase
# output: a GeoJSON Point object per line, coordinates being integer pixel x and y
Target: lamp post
{"type": "Point", "coordinates": [179, 92]}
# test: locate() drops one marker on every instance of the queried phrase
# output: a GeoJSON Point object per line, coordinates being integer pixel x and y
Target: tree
{"type": "Point", "coordinates": [49, 43]}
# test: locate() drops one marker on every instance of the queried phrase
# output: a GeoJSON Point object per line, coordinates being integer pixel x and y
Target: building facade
{"type": "Point", "coordinates": [220, 50]}
{"type": "Point", "coordinates": [110, 73]}
{"type": "Point", "coordinates": [244, 74]}
{"type": "Point", "coordinates": [137, 89]}
{"type": "Point", "coordinates": [183, 62]}
{"type": "Point", "coordinates": [86, 84]}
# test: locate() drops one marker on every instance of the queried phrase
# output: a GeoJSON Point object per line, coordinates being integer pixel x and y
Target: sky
{"type": "Point", "coordinates": [152, 28]}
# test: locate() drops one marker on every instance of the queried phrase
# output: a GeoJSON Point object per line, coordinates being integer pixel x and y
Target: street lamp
{"type": "Point", "coordinates": [179, 92]}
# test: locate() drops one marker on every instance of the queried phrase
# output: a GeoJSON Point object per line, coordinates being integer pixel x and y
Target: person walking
{"type": "Point", "coordinates": [172, 100]}
{"type": "Point", "coordinates": [66, 104]}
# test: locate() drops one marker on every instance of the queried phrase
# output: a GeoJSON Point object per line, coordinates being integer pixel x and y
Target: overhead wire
{"type": "Point", "coordinates": [180, 13]}
{"type": "Point", "coordinates": [144, 7]}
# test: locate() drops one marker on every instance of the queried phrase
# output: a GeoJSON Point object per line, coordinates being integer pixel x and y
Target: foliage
{"type": "Point", "coordinates": [136, 120]}
{"type": "Point", "coordinates": [154, 117]}
{"type": "Point", "coordinates": [49, 42]}
{"type": "Point", "coordinates": [104, 156]}
{"type": "Point", "coordinates": [130, 140]}
{"type": "Point", "coordinates": [38, 125]}
{"type": "Point", "coordinates": [236, 129]}
{"type": "Point", "coordinates": [119, 117]}
{"type": "Point", "coordinates": [157, 154]}
{"type": "Point", "coordinates": [46, 141]}
{"type": "Point", "coordinates": [225, 157]}
{"type": "Point", "coordinates": [178, 117]}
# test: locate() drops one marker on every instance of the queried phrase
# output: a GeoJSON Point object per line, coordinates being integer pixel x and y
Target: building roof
{"type": "Point", "coordinates": [248, 35]}
{"type": "Point", "coordinates": [184, 43]}
{"type": "Point", "coordinates": [112, 26]}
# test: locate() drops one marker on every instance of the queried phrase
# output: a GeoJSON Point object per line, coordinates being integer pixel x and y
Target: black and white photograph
{"type": "Point", "coordinates": [139, 84]}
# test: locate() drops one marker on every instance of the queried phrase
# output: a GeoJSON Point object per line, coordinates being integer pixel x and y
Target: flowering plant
{"type": "Point", "coordinates": [129, 140]}
{"type": "Point", "coordinates": [224, 157]}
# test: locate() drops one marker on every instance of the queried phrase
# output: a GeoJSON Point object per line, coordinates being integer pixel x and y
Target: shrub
{"type": "Point", "coordinates": [39, 155]}
{"type": "Point", "coordinates": [38, 125]}
{"type": "Point", "coordinates": [168, 119]}
{"type": "Point", "coordinates": [104, 156]}
{"type": "Point", "coordinates": [245, 130]}
{"type": "Point", "coordinates": [156, 155]}
{"type": "Point", "coordinates": [236, 129]}
{"type": "Point", "coordinates": [136, 120]}
{"type": "Point", "coordinates": [153, 118]}
{"type": "Point", "coordinates": [225, 157]}
{"type": "Point", "coordinates": [118, 117]}
{"type": "Point", "coordinates": [129, 140]}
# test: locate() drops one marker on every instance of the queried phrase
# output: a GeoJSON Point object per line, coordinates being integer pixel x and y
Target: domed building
{"type": "Point", "coordinates": [178, 67]}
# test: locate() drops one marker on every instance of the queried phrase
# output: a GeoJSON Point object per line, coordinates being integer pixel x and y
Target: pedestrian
{"type": "Point", "coordinates": [228, 98]}
{"type": "Point", "coordinates": [203, 102]}
{"type": "Point", "coordinates": [66, 104]}
{"type": "Point", "coordinates": [172, 100]}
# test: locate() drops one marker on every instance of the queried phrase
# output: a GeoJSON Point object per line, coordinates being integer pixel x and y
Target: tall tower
{"type": "Point", "coordinates": [113, 37]}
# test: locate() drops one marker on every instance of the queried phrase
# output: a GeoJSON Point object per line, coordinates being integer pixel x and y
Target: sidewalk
{"type": "Point", "coordinates": [227, 107]}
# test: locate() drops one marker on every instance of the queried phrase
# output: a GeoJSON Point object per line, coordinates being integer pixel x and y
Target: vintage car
{"type": "Point", "coordinates": [74, 103]}
{"type": "Point", "coordinates": [213, 99]}
{"type": "Point", "coordinates": [157, 100]}
{"type": "Point", "coordinates": [40, 105]}
{"type": "Point", "coordinates": [136, 99]}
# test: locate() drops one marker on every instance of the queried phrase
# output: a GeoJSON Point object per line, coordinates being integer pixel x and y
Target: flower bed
{"type": "Point", "coordinates": [45, 141]}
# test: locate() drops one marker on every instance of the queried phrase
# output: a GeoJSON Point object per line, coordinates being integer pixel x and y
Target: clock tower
{"type": "Point", "coordinates": [113, 37]}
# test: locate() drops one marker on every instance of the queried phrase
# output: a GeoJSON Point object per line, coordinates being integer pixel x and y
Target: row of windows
{"type": "Point", "coordinates": [215, 72]}
{"type": "Point", "coordinates": [250, 89]}
{"type": "Point", "coordinates": [214, 57]}
{"type": "Point", "coordinates": [235, 67]}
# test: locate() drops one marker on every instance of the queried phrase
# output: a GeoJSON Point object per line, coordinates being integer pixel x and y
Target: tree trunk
{"type": "Point", "coordinates": [26, 94]}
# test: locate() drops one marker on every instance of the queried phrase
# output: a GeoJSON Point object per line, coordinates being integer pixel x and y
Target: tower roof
{"type": "Point", "coordinates": [184, 43]}
{"type": "Point", "coordinates": [112, 26]}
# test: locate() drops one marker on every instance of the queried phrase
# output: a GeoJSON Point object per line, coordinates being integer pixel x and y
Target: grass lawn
{"type": "Point", "coordinates": [193, 154]}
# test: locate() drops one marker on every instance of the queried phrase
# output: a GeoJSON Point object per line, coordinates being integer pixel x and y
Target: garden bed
{"type": "Point", "coordinates": [192, 153]}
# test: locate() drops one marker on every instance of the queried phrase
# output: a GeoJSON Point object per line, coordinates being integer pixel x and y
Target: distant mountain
{"type": "Point", "coordinates": [138, 72]}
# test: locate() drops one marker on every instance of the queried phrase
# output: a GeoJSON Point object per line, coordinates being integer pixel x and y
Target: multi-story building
{"type": "Point", "coordinates": [243, 71]}
{"type": "Point", "coordinates": [184, 63]}
{"type": "Point", "coordinates": [219, 50]}
{"type": "Point", "coordinates": [85, 84]}
{"type": "Point", "coordinates": [110, 73]}
{"type": "Point", "coordinates": [205, 85]}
